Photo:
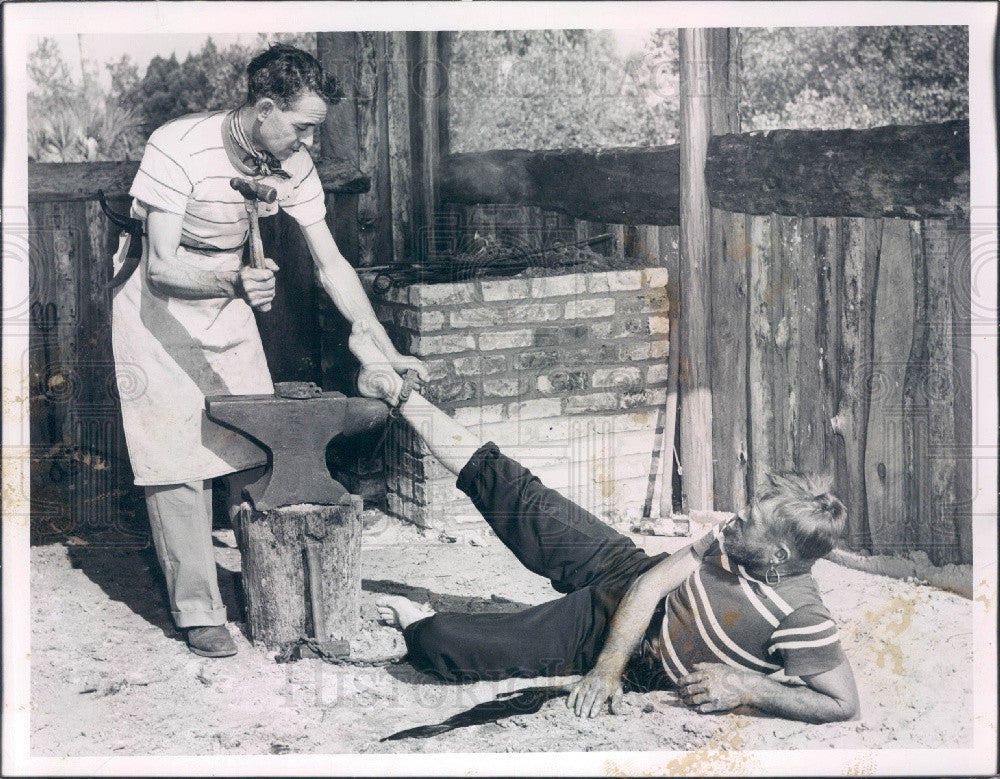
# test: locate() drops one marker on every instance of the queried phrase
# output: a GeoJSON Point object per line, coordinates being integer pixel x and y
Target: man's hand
{"type": "Point", "coordinates": [258, 285]}
{"type": "Point", "coordinates": [588, 695]}
{"type": "Point", "coordinates": [714, 687]}
{"type": "Point", "coordinates": [402, 363]}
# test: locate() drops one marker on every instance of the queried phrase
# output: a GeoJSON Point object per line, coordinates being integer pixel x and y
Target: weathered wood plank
{"type": "Point", "coordinates": [905, 171]}
{"type": "Point", "coordinates": [398, 126]}
{"type": "Point", "coordinates": [828, 255]}
{"type": "Point", "coordinates": [760, 409]}
{"type": "Point", "coordinates": [695, 272]}
{"type": "Point", "coordinates": [427, 82]}
{"type": "Point", "coordinates": [783, 314]}
{"type": "Point", "coordinates": [942, 545]}
{"type": "Point", "coordinates": [959, 251]}
{"type": "Point", "coordinates": [894, 305]}
{"type": "Point", "coordinates": [373, 239]}
{"type": "Point", "coordinates": [65, 181]}
{"type": "Point", "coordinates": [809, 443]}
{"type": "Point", "coordinates": [730, 255]}
{"type": "Point", "coordinates": [671, 261]}
{"type": "Point", "coordinates": [916, 483]}
{"type": "Point", "coordinates": [634, 186]}
{"type": "Point", "coordinates": [860, 270]}
{"type": "Point", "coordinates": [337, 52]}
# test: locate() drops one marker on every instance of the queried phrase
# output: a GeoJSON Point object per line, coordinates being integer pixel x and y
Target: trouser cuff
{"type": "Point", "coordinates": [197, 619]}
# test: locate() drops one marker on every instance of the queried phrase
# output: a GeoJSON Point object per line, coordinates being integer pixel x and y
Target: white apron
{"type": "Point", "coordinates": [171, 353]}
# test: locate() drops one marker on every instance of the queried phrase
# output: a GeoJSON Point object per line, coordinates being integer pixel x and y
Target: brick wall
{"type": "Point", "coordinates": [565, 373]}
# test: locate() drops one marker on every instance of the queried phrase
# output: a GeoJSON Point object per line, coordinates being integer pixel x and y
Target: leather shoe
{"type": "Point", "coordinates": [211, 641]}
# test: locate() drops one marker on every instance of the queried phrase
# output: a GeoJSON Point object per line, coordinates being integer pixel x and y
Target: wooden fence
{"type": "Point", "coordinates": [841, 345]}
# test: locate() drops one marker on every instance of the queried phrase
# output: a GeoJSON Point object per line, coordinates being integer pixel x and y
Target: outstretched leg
{"type": "Point", "coordinates": [557, 638]}
{"type": "Point", "coordinates": [549, 534]}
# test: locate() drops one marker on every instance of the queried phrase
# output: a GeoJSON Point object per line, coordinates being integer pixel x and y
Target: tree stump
{"type": "Point", "coordinates": [291, 555]}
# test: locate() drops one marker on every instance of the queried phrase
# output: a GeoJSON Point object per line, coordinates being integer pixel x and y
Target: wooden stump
{"type": "Point", "coordinates": [290, 553]}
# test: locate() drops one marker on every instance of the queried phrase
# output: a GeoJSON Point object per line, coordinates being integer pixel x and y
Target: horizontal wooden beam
{"type": "Point", "coordinates": [66, 181]}
{"type": "Point", "coordinates": [901, 171]}
{"type": "Point", "coordinates": [624, 186]}
{"type": "Point", "coordinates": [894, 171]}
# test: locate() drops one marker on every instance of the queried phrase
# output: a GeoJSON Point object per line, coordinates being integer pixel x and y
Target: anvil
{"type": "Point", "coordinates": [295, 425]}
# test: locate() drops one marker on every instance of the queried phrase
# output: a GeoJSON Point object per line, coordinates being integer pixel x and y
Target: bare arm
{"type": "Point", "coordinates": [831, 696]}
{"type": "Point", "coordinates": [169, 275]}
{"type": "Point", "coordinates": [342, 284]}
{"type": "Point", "coordinates": [628, 625]}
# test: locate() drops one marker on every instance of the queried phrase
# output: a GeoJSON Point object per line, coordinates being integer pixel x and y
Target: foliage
{"type": "Point", "coordinates": [540, 88]}
{"type": "Point", "coordinates": [544, 89]}
{"type": "Point", "coordinates": [832, 77]}
{"type": "Point", "coordinates": [74, 121]}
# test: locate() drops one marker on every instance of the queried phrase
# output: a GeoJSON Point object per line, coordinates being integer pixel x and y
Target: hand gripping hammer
{"type": "Point", "coordinates": [253, 193]}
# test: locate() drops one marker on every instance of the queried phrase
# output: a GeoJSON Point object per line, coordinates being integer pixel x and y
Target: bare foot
{"type": "Point", "coordinates": [399, 612]}
{"type": "Point", "coordinates": [378, 379]}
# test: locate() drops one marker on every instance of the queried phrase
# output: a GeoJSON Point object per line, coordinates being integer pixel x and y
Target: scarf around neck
{"type": "Point", "coordinates": [263, 162]}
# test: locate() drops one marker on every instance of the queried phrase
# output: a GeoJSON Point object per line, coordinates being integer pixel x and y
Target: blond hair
{"type": "Point", "coordinates": [800, 510]}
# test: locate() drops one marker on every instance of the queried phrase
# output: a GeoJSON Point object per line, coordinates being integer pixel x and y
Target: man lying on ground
{"type": "Point", "coordinates": [717, 620]}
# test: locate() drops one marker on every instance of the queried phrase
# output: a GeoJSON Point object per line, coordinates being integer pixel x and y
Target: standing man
{"type": "Point", "coordinates": [183, 325]}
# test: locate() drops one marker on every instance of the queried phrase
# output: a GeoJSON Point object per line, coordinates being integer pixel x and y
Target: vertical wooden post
{"type": "Point", "coordinates": [374, 230]}
{"type": "Point", "coordinates": [399, 144]}
{"type": "Point", "coordinates": [708, 107]}
{"type": "Point", "coordinates": [338, 53]}
{"type": "Point", "coordinates": [428, 81]}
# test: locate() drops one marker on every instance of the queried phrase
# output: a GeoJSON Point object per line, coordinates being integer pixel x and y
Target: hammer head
{"type": "Point", "coordinates": [254, 190]}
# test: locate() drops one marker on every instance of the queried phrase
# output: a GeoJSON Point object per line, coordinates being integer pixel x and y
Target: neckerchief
{"type": "Point", "coordinates": [263, 162]}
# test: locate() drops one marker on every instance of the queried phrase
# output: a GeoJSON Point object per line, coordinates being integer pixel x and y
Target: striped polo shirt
{"type": "Point", "coordinates": [186, 169]}
{"type": "Point", "coordinates": [722, 614]}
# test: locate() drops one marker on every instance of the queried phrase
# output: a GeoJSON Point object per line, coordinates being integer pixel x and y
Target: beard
{"type": "Point", "coordinates": [749, 552]}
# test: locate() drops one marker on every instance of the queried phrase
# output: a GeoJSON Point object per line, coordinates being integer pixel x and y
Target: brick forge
{"type": "Point", "coordinates": [565, 373]}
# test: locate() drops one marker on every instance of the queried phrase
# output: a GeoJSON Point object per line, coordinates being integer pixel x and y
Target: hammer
{"type": "Point", "coordinates": [254, 192]}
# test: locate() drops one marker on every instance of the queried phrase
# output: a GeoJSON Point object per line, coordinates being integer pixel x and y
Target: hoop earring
{"type": "Point", "coordinates": [772, 571]}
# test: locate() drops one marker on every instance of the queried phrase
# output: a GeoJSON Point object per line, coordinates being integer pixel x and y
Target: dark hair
{"type": "Point", "coordinates": [801, 511]}
{"type": "Point", "coordinates": [284, 72]}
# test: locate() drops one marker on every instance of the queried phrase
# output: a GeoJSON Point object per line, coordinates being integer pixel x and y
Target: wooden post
{"type": "Point", "coordinates": [338, 53]}
{"type": "Point", "coordinates": [374, 228]}
{"type": "Point", "coordinates": [277, 548]}
{"type": "Point", "coordinates": [707, 108]}
{"type": "Point", "coordinates": [399, 144]}
{"type": "Point", "coordinates": [427, 81]}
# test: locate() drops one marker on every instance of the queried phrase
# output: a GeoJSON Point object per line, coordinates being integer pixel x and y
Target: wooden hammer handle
{"type": "Point", "coordinates": [256, 244]}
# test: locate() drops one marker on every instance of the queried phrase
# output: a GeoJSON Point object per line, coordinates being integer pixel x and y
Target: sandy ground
{"type": "Point", "coordinates": [111, 676]}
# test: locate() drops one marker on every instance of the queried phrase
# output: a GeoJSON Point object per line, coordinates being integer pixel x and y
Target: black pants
{"type": "Point", "coordinates": [555, 538]}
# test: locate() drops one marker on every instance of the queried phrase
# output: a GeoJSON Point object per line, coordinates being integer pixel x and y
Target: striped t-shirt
{"type": "Point", "coordinates": [186, 169]}
{"type": "Point", "coordinates": [721, 614]}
